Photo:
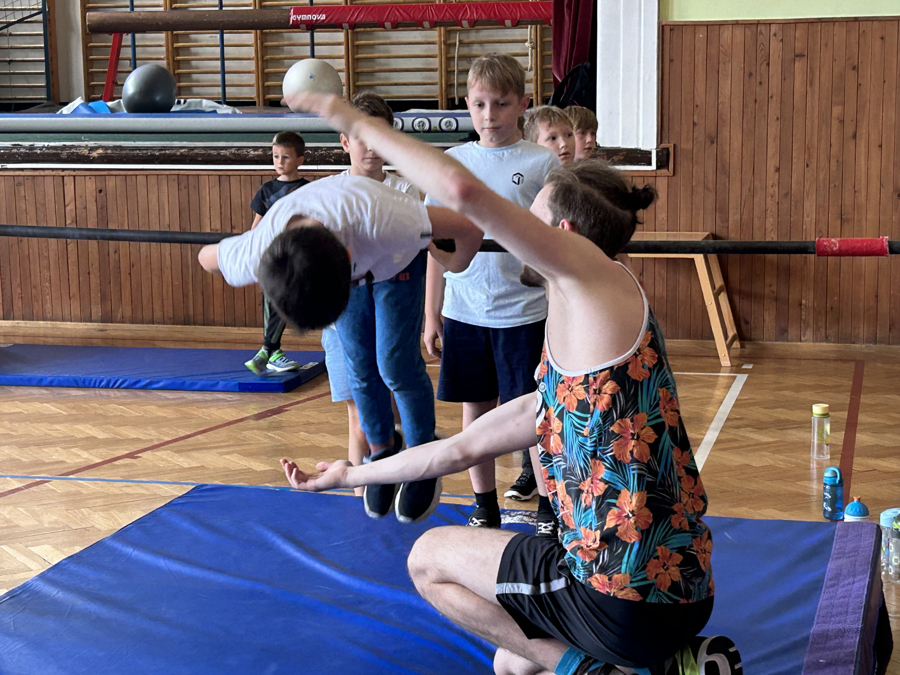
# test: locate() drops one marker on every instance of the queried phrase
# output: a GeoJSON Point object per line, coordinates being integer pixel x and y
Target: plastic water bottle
{"type": "Point", "coordinates": [887, 523]}
{"type": "Point", "coordinates": [820, 448]}
{"type": "Point", "coordinates": [833, 495]}
{"type": "Point", "coordinates": [894, 552]}
{"type": "Point", "coordinates": [856, 512]}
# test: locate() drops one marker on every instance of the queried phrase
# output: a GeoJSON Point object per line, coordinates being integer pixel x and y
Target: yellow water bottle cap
{"type": "Point", "coordinates": [820, 409]}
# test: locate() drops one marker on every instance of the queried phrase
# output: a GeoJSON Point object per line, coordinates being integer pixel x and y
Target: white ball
{"type": "Point", "coordinates": [312, 75]}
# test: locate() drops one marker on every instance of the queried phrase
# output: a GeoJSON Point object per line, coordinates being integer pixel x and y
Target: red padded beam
{"type": "Point", "coordinates": [465, 14]}
{"type": "Point", "coordinates": [858, 247]}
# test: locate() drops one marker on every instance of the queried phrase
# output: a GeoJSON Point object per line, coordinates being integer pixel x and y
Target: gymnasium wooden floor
{"type": "Point", "coordinates": [749, 425]}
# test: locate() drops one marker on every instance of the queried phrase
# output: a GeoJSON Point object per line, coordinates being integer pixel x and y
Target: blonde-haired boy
{"type": "Point", "coordinates": [549, 126]}
{"type": "Point", "coordinates": [491, 326]}
{"type": "Point", "coordinates": [584, 124]}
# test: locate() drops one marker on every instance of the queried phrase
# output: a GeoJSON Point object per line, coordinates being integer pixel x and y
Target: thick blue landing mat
{"type": "Point", "coordinates": [245, 580]}
{"type": "Point", "coordinates": [148, 368]}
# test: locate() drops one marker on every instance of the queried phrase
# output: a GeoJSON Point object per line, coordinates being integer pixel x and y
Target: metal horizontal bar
{"type": "Point", "coordinates": [705, 247]}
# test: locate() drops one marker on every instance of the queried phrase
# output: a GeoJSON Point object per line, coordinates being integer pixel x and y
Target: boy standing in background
{"type": "Point", "coordinates": [287, 158]}
{"type": "Point", "coordinates": [491, 326]}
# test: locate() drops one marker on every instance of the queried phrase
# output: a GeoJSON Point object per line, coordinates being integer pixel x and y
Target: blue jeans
{"type": "Point", "coordinates": [380, 332]}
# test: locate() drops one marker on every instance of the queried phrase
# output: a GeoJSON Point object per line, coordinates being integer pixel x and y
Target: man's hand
{"type": "Point", "coordinates": [330, 475]}
{"type": "Point", "coordinates": [434, 330]}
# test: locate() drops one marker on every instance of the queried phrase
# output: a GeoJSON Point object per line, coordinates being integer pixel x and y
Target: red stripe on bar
{"type": "Point", "coordinates": [506, 13]}
{"type": "Point", "coordinates": [852, 247]}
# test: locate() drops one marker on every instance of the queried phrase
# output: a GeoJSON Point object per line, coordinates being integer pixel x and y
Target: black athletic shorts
{"type": "Point", "coordinates": [484, 364]}
{"type": "Point", "coordinates": [534, 587]}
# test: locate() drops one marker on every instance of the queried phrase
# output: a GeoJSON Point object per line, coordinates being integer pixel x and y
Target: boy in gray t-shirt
{"type": "Point", "coordinates": [490, 325]}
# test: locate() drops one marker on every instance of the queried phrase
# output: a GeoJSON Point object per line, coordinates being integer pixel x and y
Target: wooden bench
{"type": "Point", "coordinates": [712, 283]}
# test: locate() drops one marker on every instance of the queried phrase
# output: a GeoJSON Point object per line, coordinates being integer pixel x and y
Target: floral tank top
{"type": "Point", "coordinates": [622, 478]}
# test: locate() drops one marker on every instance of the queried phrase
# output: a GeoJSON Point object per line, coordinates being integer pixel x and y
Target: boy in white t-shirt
{"type": "Point", "coordinates": [490, 325]}
{"type": "Point", "coordinates": [363, 162]}
{"type": "Point", "coordinates": [346, 250]}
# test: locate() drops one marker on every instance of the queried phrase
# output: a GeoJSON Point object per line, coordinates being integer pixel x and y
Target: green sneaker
{"type": "Point", "coordinates": [259, 362]}
{"type": "Point", "coordinates": [281, 363]}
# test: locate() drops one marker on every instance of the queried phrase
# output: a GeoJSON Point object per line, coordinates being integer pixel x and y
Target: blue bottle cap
{"type": "Point", "coordinates": [832, 475]}
{"type": "Point", "coordinates": [887, 517]}
{"type": "Point", "coordinates": [856, 510]}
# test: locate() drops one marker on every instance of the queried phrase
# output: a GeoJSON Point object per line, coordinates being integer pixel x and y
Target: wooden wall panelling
{"type": "Point", "coordinates": [793, 320]}
{"type": "Point", "coordinates": [783, 130]}
{"type": "Point", "coordinates": [885, 197]}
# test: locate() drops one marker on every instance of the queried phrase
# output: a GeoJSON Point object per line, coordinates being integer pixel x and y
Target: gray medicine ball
{"type": "Point", "coordinates": [149, 89]}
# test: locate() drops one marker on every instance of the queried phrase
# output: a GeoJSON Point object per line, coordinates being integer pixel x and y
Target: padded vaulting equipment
{"type": "Point", "coordinates": [232, 580]}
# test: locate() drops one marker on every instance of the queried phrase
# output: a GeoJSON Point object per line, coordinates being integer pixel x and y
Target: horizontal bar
{"type": "Point", "coordinates": [706, 247]}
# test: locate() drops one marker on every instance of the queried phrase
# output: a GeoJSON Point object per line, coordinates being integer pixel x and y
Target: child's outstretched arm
{"type": "Point", "coordinates": [552, 251]}
{"type": "Point", "coordinates": [447, 224]}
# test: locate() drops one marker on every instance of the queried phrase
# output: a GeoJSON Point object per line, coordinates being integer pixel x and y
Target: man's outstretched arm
{"type": "Point", "coordinates": [505, 429]}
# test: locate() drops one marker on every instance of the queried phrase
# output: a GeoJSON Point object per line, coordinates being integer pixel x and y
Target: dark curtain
{"type": "Point", "coordinates": [573, 22]}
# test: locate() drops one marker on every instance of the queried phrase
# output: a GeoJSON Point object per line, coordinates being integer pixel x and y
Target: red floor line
{"type": "Point", "coordinates": [265, 414]}
{"type": "Point", "coordinates": [848, 447]}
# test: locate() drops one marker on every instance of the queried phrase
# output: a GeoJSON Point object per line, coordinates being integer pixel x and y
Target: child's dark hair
{"type": "Point", "coordinates": [289, 139]}
{"type": "Point", "coordinates": [373, 105]}
{"type": "Point", "coordinates": [305, 273]}
{"type": "Point", "coordinates": [598, 201]}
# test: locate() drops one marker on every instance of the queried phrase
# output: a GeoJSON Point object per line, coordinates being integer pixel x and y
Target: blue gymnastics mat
{"type": "Point", "coordinates": [148, 368]}
{"type": "Point", "coordinates": [231, 580]}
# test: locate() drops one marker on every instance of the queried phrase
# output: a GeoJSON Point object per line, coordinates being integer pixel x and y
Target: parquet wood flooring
{"type": "Point", "coordinates": [759, 466]}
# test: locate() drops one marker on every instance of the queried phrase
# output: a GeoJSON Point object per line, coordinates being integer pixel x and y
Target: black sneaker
{"type": "Point", "coordinates": [524, 488]}
{"type": "Point", "coordinates": [416, 501]}
{"type": "Point", "coordinates": [379, 499]}
{"type": "Point", "coordinates": [482, 517]}
{"type": "Point", "coordinates": [546, 525]}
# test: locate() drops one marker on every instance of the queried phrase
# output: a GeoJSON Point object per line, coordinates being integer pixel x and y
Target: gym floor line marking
{"type": "Point", "coordinates": [712, 433]}
{"type": "Point", "coordinates": [265, 414]}
{"type": "Point", "coordinates": [140, 481]}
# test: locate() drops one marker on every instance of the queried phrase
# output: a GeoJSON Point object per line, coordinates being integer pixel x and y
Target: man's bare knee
{"type": "Point", "coordinates": [422, 562]}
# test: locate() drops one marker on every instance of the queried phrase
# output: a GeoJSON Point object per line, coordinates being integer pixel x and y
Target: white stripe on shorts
{"type": "Point", "coordinates": [528, 589]}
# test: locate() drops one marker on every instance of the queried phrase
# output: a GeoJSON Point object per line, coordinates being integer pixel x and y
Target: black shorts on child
{"type": "Point", "coordinates": [535, 588]}
{"type": "Point", "coordinates": [484, 364]}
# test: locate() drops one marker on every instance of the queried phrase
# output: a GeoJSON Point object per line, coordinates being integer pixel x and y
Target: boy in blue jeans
{"type": "Point", "coordinates": [490, 325]}
{"type": "Point", "coordinates": [350, 250]}
{"type": "Point", "coordinates": [363, 162]}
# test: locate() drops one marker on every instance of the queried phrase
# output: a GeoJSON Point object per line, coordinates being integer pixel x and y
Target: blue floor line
{"type": "Point", "coordinates": [78, 479]}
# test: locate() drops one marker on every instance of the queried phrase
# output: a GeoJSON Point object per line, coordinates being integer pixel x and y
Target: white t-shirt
{"type": "Point", "coordinates": [383, 228]}
{"type": "Point", "coordinates": [489, 292]}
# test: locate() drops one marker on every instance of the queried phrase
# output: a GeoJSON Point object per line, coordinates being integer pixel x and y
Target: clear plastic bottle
{"type": "Point", "coordinates": [820, 448]}
{"type": "Point", "coordinates": [887, 523]}
{"type": "Point", "coordinates": [894, 552]}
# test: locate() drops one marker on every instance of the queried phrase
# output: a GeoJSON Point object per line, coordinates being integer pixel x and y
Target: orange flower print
{"type": "Point", "coordinates": [548, 481]}
{"type": "Point", "coordinates": [703, 547]}
{"type": "Point", "coordinates": [549, 429]}
{"type": "Point", "coordinates": [664, 568]}
{"type": "Point", "coordinates": [682, 459]}
{"type": "Point", "coordinates": [588, 546]}
{"type": "Point", "coordinates": [644, 356]}
{"type": "Point", "coordinates": [566, 509]}
{"type": "Point", "coordinates": [631, 515]}
{"type": "Point", "coordinates": [592, 486]}
{"type": "Point", "coordinates": [569, 391]}
{"type": "Point", "coordinates": [601, 390]}
{"type": "Point", "coordinates": [668, 407]}
{"type": "Point", "coordinates": [617, 587]}
{"type": "Point", "coordinates": [544, 367]}
{"type": "Point", "coordinates": [679, 521]}
{"type": "Point", "coordinates": [634, 438]}
{"type": "Point", "coordinates": [692, 494]}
